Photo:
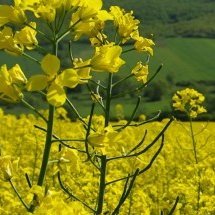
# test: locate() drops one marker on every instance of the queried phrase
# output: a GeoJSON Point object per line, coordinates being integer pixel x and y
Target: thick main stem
{"type": "Point", "coordinates": [102, 185]}
{"type": "Point", "coordinates": [50, 123]}
{"type": "Point", "coordinates": [46, 153]}
{"type": "Point", "coordinates": [48, 141]}
{"type": "Point", "coordinates": [103, 158]}
{"type": "Point", "coordinates": [47, 146]}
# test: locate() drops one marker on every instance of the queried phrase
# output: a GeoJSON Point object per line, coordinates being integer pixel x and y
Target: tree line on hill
{"type": "Point", "coordinates": [168, 18]}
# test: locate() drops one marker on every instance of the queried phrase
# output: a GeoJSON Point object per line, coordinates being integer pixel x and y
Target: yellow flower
{"type": "Point", "coordinates": [119, 110]}
{"type": "Point", "coordinates": [12, 81]}
{"type": "Point", "coordinates": [144, 45]}
{"type": "Point", "coordinates": [6, 168]}
{"type": "Point", "coordinates": [189, 101]}
{"type": "Point", "coordinates": [46, 12]}
{"type": "Point", "coordinates": [125, 23]}
{"type": "Point", "coordinates": [140, 72]}
{"type": "Point", "coordinates": [17, 75]}
{"type": "Point", "coordinates": [67, 4]}
{"type": "Point", "coordinates": [53, 80]}
{"type": "Point", "coordinates": [107, 58]}
{"type": "Point", "coordinates": [98, 40]}
{"type": "Point", "coordinates": [55, 204]}
{"type": "Point", "coordinates": [27, 36]}
{"type": "Point", "coordinates": [8, 43]}
{"type": "Point", "coordinates": [67, 161]}
{"type": "Point", "coordinates": [89, 19]}
{"type": "Point", "coordinates": [102, 137]}
{"type": "Point", "coordinates": [11, 14]}
{"type": "Point", "coordinates": [83, 70]}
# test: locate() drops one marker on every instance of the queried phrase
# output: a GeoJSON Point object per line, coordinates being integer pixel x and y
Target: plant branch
{"type": "Point", "coordinates": [29, 106]}
{"type": "Point", "coordinates": [142, 86]}
{"type": "Point", "coordinates": [126, 192]}
{"type": "Point", "coordinates": [144, 169]}
{"type": "Point", "coordinates": [174, 206]}
{"type": "Point", "coordinates": [132, 115]}
{"type": "Point", "coordinates": [30, 57]}
{"type": "Point", "coordinates": [102, 184]}
{"type": "Point", "coordinates": [60, 140]}
{"type": "Point", "coordinates": [66, 190]}
{"type": "Point", "coordinates": [147, 147]}
{"type": "Point", "coordinates": [18, 195]}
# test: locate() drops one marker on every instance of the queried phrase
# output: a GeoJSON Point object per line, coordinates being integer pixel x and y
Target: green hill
{"type": "Point", "coordinates": [183, 58]}
{"type": "Point", "coordinates": [188, 62]}
{"type": "Point", "coordinates": [169, 18]}
{"type": "Point", "coordinates": [187, 18]}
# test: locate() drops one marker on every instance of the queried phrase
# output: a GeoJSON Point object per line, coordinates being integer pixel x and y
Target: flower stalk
{"type": "Point", "coordinates": [102, 184]}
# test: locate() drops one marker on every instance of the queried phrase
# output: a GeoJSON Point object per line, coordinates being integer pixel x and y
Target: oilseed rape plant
{"type": "Point", "coordinates": [50, 165]}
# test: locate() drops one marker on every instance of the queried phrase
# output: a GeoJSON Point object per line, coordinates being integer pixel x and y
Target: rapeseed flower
{"type": "Point", "coordinates": [143, 44]}
{"type": "Point", "coordinates": [8, 43]}
{"type": "Point", "coordinates": [27, 36]}
{"type": "Point", "coordinates": [189, 101]}
{"type": "Point", "coordinates": [6, 168]}
{"type": "Point", "coordinates": [175, 180]}
{"type": "Point", "coordinates": [10, 14]}
{"type": "Point", "coordinates": [125, 23]}
{"type": "Point", "coordinates": [89, 19]}
{"type": "Point", "coordinates": [14, 43]}
{"type": "Point", "coordinates": [53, 80]}
{"type": "Point", "coordinates": [83, 70]}
{"type": "Point", "coordinates": [107, 58]}
{"type": "Point", "coordinates": [12, 82]}
{"type": "Point", "coordinates": [67, 161]}
{"type": "Point", "coordinates": [140, 72]}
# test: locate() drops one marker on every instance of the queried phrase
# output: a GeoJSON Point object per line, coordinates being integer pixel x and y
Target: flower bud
{"type": "Point", "coordinates": [5, 168]}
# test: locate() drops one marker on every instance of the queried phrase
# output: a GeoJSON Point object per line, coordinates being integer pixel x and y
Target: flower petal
{"type": "Point", "coordinates": [69, 78]}
{"type": "Point", "coordinates": [50, 64]}
{"type": "Point", "coordinates": [56, 95]}
{"type": "Point", "coordinates": [36, 83]}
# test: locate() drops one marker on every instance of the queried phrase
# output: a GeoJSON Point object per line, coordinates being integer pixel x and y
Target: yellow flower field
{"type": "Point", "coordinates": [52, 165]}
{"type": "Point", "coordinates": [174, 172]}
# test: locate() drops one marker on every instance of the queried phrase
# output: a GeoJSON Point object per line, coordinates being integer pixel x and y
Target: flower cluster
{"type": "Point", "coordinates": [77, 18]}
{"type": "Point", "coordinates": [149, 195]}
{"type": "Point", "coordinates": [189, 101]}
{"type": "Point", "coordinates": [107, 160]}
{"type": "Point", "coordinates": [12, 82]}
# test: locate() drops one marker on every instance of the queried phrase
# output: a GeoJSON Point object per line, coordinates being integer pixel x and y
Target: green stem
{"type": "Point", "coordinates": [142, 86]}
{"type": "Point", "coordinates": [128, 50]}
{"type": "Point", "coordinates": [34, 109]}
{"type": "Point", "coordinates": [38, 31]}
{"type": "Point", "coordinates": [47, 146]}
{"type": "Point", "coordinates": [46, 153]}
{"type": "Point", "coordinates": [196, 162]}
{"type": "Point", "coordinates": [123, 79]}
{"type": "Point", "coordinates": [193, 141]}
{"type": "Point", "coordinates": [31, 58]}
{"type": "Point", "coordinates": [75, 111]}
{"type": "Point", "coordinates": [67, 191]}
{"type": "Point", "coordinates": [17, 193]}
{"type": "Point", "coordinates": [174, 206]}
{"type": "Point", "coordinates": [102, 185]}
{"type": "Point", "coordinates": [108, 100]}
{"type": "Point", "coordinates": [64, 34]}
{"type": "Point", "coordinates": [48, 136]}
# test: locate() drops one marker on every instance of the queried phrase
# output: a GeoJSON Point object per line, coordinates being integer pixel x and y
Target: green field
{"type": "Point", "coordinates": [184, 59]}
